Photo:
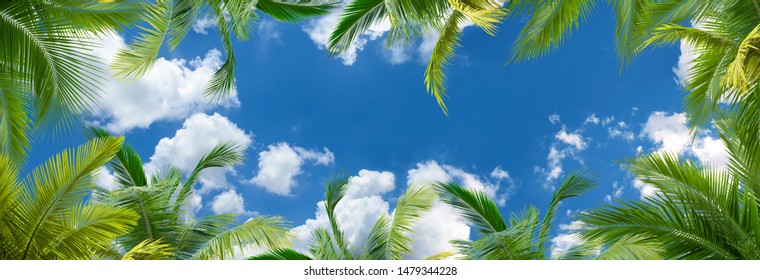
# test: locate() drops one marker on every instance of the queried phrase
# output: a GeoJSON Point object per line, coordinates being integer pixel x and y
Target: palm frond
{"type": "Point", "coordinates": [295, 10]}
{"type": "Point", "coordinates": [149, 250]}
{"type": "Point", "coordinates": [551, 24]}
{"type": "Point", "coordinates": [281, 254]}
{"type": "Point", "coordinates": [443, 52]}
{"type": "Point", "coordinates": [262, 232]}
{"type": "Point", "coordinates": [576, 184]}
{"type": "Point", "coordinates": [56, 187]}
{"type": "Point", "coordinates": [355, 19]}
{"type": "Point", "coordinates": [475, 206]}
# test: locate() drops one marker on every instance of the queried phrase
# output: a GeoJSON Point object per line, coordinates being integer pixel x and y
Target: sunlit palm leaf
{"type": "Point", "coordinates": [58, 186]}
{"type": "Point", "coordinates": [281, 254]}
{"type": "Point", "coordinates": [149, 250]}
{"type": "Point", "coordinates": [261, 232]}
{"type": "Point", "coordinates": [443, 52]}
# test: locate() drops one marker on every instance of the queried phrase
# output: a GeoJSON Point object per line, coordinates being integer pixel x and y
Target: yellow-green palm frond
{"type": "Point", "coordinates": [135, 60]}
{"type": "Point", "coordinates": [551, 24]}
{"type": "Point", "coordinates": [700, 39]}
{"type": "Point", "coordinates": [55, 188]}
{"type": "Point", "coordinates": [743, 70]}
{"type": "Point", "coordinates": [633, 247]}
{"type": "Point", "coordinates": [149, 250]}
{"type": "Point", "coordinates": [411, 206]}
{"type": "Point", "coordinates": [440, 256]}
{"type": "Point", "coordinates": [485, 17]}
{"type": "Point", "coordinates": [261, 232]}
{"type": "Point", "coordinates": [15, 123]}
{"type": "Point", "coordinates": [443, 52]}
{"type": "Point", "coordinates": [89, 229]}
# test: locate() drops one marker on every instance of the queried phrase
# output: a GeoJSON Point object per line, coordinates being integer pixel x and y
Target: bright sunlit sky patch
{"type": "Point", "coordinates": [514, 131]}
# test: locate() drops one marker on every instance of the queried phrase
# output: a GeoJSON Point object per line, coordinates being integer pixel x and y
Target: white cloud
{"type": "Point", "coordinates": [202, 23]}
{"type": "Point", "coordinates": [397, 54]}
{"type": "Point", "coordinates": [645, 189]}
{"type": "Point", "coordinates": [564, 242]}
{"type": "Point", "coordinates": [592, 119]}
{"type": "Point", "coordinates": [431, 172]}
{"type": "Point", "coordinates": [364, 204]}
{"type": "Point", "coordinates": [171, 90]}
{"type": "Point", "coordinates": [229, 202]}
{"type": "Point", "coordinates": [554, 118]}
{"type": "Point", "coordinates": [617, 192]}
{"type": "Point", "coordinates": [370, 183]}
{"type": "Point", "coordinates": [573, 139]}
{"type": "Point", "coordinates": [324, 158]}
{"type": "Point", "coordinates": [356, 213]}
{"type": "Point", "coordinates": [500, 174]}
{"type": "Point", "coordinates": [193, 204]}
{"type": "Point", "coordinates": [711, 152]}
{"type": "Point", "coordinates": [686, 60]}
{"type": "Point", "coordinates": [199, 135]}
{"type": "Point", "coordinates": [668, 131]}
{"type": "Point", "coordinates": [620, 131]}
{"type": "Point", "coordinates": [608, 120]}
{"type": "Point", "coordinates": [565, 145]}
{"type": "Point", "coordinates": [268, 30]}
{"type": "Point", "coordinates": [567, 239]}
{"type": "Point", "coordinates": [280, 163]}
{"type": "Point", "coordinates": [434, 231]}
{"type": "Point", "coordinates": [105, 179]}
{"type": "Point", "coordinates": [319, 31]}
{"type": "Point", "coordinates": [671, 134]}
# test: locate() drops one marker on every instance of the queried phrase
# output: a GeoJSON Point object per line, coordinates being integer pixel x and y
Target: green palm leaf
{"type": "Point", "coordinates": [281, 254]}
{"type": "Point", "coordinates": [56, 187]}
{"type": "Point", "coordinates": [263, 231]}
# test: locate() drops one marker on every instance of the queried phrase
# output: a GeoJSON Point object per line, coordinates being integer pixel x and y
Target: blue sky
{"type": "Point", "coordinates": [513, 130]}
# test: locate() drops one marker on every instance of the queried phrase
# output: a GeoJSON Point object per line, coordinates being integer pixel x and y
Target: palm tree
{"type": "Point", "coordinates": [698, 212]}
{"type": "Point", "coordinates": [726, 37]}
{"type": "Point", "coordinates": [169, 21]}
{"type": "Point", "coordinates": [46, 73]}
{"type": "Point", "coordinates": [47, 216]}
{"type": "Point", "coordinates": [524, 237]}
{"type": "Point", "coordinates": [162, 224]}
{"type": "Point", "coordinates": [387, 240]}
{"type": "Point", "coordinates": [411, 19]}
{"type": "Point", "coordinates": [727, 62]}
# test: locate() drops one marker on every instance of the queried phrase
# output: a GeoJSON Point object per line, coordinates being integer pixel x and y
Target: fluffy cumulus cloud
{"type": "Point", "coordinates": [572, 139]}
{"type": "Point", "coordinates": [566, 239]}
{"type": "Point", "coordinates": [280, 163]}
{"type": "Point", "coordinates": [199, 135]}
{"type": "Point", "coordinates": [364, 203]}
{"type": "Point", "coordinates": [671, 134]}
{"type": "Point", "coordinates": [105, 179]}
{"type": "Point", "coordinates": [646, 190]}
{"type": "Point", "coordinates": [229, 202]}
{"type": "Point", "coordinates": [203, 23]}
{"type": "Point", "coordinates": [431, 172]}
{"type": "Point", "coordinates": [360, 208]}
{"type": "Point", "coordinates": [171, 90]}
